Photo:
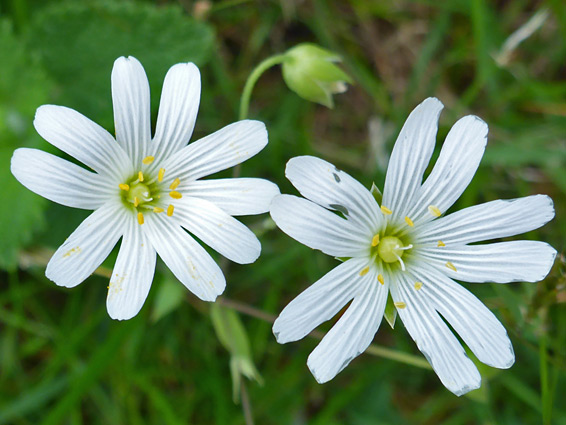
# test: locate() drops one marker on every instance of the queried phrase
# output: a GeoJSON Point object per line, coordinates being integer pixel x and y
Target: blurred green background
{"type": "Point", "coordinates": [64, 361]}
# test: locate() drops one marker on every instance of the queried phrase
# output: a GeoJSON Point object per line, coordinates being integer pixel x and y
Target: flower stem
{"type": "Point", "coordinates": [252, 79]}
{"type": "Point", "coordinates": [374, 350]}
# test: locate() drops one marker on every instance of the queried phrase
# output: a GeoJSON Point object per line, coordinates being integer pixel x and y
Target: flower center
{"type": "Point", "coordinates": [389, 249]}
{"type": "Point", "coordinates": [143, 193]}
{"type": "Point", "coordinates": [139, 194]}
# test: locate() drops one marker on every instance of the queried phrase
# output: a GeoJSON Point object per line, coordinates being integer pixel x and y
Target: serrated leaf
{"type": "Point", "coordinates": [23, 85]}
{"type": "Point", "coordinates": [79, 41]}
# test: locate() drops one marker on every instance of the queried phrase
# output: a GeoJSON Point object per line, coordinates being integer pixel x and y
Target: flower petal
{"type": "Point", "coordinates": [238, 196]}
{"type": "Point", "coordinates": [433, 337]}
{"type": "Point", "coordinates": [178, 109]}
{"type": "Point", "coordinates": [458, 162]}
{"type": "Point", "coordinates": [319, 302]}
{"type": "Point", "coordinates": [353, 333]}
{"type": "Point", "coordinates": [218, 230]}
{"type": "Point", "coordinates": [188, 261]}
{"type": "Point", "coordinates": [318, 228]}
{"type": "Point", "coordinates": [59, 180]}
{"type": "Point", "coordinates": [132, 274]}
{"type": "Point", "coordinates": [495, 219]}
{"type": "Point", "coordinates": [223, 149]}
{"type": "Point", "coordinates": [87, 247]}
{"type": "Point", "coordinates": [326, 185]}
{"type": "Point", "coordinates": [130, 99]}
{"type": "Point", "coordinates": [410, 157]}
{"type": "Point", "coordinates": [478, 327]}
{"type": "Point", "coordinates": [83, 139]}
{"type": "Point", "coordinates": [516, 261]}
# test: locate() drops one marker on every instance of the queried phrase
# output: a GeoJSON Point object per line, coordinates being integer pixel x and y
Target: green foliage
{"type": "Point", "coordinates": [62, 359]}
{"type": "Point", "coordinates": [101, 31]}
{"type": "Point", "coordinates": [23, 86]}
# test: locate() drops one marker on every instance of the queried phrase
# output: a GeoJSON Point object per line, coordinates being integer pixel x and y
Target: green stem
{"type": "Point", "coordinates": [252, 79]}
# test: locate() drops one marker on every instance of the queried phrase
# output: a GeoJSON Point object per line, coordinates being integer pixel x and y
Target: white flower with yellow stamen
{"type": "Point", "coordinates": [147, 190]}
{"type": "Point", "coordinates": [407, 249]}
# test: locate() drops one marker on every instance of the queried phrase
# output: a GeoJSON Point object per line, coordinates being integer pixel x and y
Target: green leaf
{"type": "Point", "coordinates": [233, 336]}
{"type": "Point", "coordinates": [102, 31]}
{"type": "Point", "coordinates": [22, 87]}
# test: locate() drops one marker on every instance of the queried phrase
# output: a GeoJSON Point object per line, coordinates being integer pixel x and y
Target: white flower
{"type": "Point", "coordinates": [404, 247]}
{"type": "Point", "coordinates": [147, 190]}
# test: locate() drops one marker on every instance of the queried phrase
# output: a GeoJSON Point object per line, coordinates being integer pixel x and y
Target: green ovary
{"type": "Point", "coordinates": [388, 249]}
{"type": "Point", "coordinates": [140, 191]}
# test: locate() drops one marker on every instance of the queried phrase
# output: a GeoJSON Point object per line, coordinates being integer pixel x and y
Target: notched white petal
{"type": "Point", "coordinates": [132, 274]}
{"type": "Point", "coordinates": [495, 219]}
{"type": "Point", "coordinates": [223, 149]}
{"type": "Point", "coordinates": [410, 157]}
{"type": "Point", "coordinates": [326, 185]}
{"type": "Point", "coordinates": [236, 196]}
{"type": "Point", "coordinates": [59, 180]}
{"type": "Point", "coordinates": [178, 109]}
{"type": "Point", "coordinates": [318, 228]}
{"type": "Point", "coordinates": [319, 302]}
{"type": "Point", "coordinates": [87, 247]}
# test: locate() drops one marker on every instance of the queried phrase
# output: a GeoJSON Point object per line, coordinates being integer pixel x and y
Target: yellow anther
{"type": "Point", "coordinates": [375, 240]}
{"type": "Point", "coordinates": [409, 221]}
{"type": "Point", "coordinates": [386, 210]}
{"type": "Point", "coordinates": [380, 279]}
{"type": "Point", "coordinates": [364, 271]}
{"type": "Point", "coordinates": [158, 210]}
{"type": "Point", "coordinates": [140, 218]}
{"type": "Point", "coordinates": [175, 195]}
{"type": "Point", "coordinates": [124, 186]}
{"type": "Point", "coordinates": [170, 209]}
{"type": "Point", "coordinates": [140, 176]}
{"type": "Point", "coordinates": [160, 174]}
{"type": "Point", "coordinates": [434, 211]}
{"type": "Point", "coordinates": [450, 266]}
{"type": "Point", "coordinates": [136, 201]}
{"type": "Point", "coordinates": [418, 285]}
{"type": "Point", "coordinates": [400, 304]}
{"type": "Point", "coordinates": [440, 243]}
{"type": "Point", "coordinates": [175, 183]}
{"type": "Point", "coordinates": [148, 160]}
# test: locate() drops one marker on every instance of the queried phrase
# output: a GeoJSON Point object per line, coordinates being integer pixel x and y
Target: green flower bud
{"type": "Point", "coordinates": [312, 73]}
